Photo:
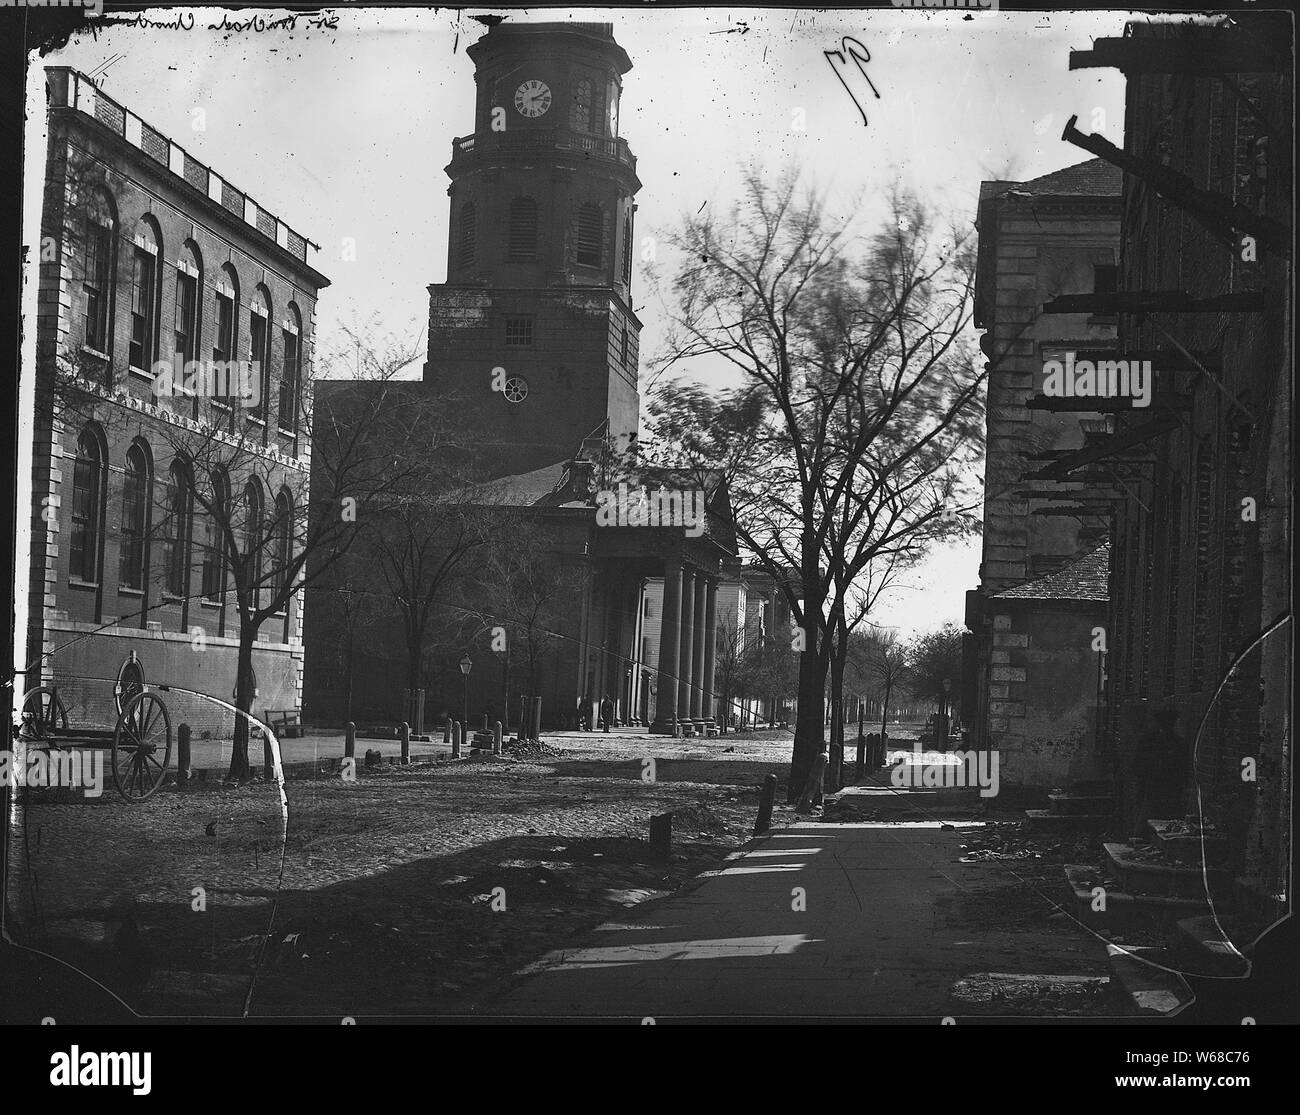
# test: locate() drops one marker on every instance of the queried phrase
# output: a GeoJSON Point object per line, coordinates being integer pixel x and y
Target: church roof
{"type": "Point", "coordinates": [1091, 178]}
{"type": "Point", "coordinates": [1085, 578]}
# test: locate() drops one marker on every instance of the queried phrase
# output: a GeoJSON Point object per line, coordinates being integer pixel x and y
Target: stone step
{"type": "Point", "coordinates": [1044, 820]}
{"type": "Point", "coordinates": [1123, 909]}
{"type": "Point", "coordinates": [1161, 877]}
{"type": "Point", "coordinates": [1206, 946]}
{"type": "Point", "coordinates": [1088, 804]}
{"type": "Point", "coordinates": [1184, 847]}
{"type": "Point", "coordinates": [1147, 976]}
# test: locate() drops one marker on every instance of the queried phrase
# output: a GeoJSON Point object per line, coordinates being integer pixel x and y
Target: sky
{"type": "Point", "coordinates": [343, 133]}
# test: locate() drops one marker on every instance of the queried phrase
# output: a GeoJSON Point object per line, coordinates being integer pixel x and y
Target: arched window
{"type": "Point", "coordinates": [591, 235]}
{"type": "Point", "coordinates": [176, 531]}
{"type": "Point", "coordinates": [133, 553]}
{"type": "Point", "coordinates": [100, 232]}
{"type": "Point", "coordinates": [523, 229]}
{"type": "Point", "coordinates": [291, 373]}
{"type": "Point", "coordinates": [189, 284]}
{"type": "Point", "coordinates": [225, 336]}
{"type": "Point", "coordinates": [250, 540]}
{"type": "Point", "coordinates": [212, 543]}
{"type": "Point", "coordinates": [147, 252]}
{"type": "Point", "coordinates": [259, 349]}
{"type": "Point", "coordinates": [587, 107]}
{"type": "Point", "coordinates": [87, 509]}
{"type": "Point", "coordinates": [282, 531]}
{"type": "Point", "coordinates": [580, 106]}
{"type": "Point", "coordinates": [468, 234]}
{"type": "Point", "coordinates": [627, 249]}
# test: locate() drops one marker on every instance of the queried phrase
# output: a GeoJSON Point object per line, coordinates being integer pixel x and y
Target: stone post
{"type": "Point", "coordinates": [184, 767]}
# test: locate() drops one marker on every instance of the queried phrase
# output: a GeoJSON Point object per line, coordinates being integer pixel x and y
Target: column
{"type": "Point", "coordinates": [638, 641]}
{"type": "Point", "coordinates": [687, 646]}
{"type": "Point", "coordinates": [697, 658]}
{"type": "Point", "coordinates": [710, 652]}
{"type": "Point", "coordinates": [669, 649]}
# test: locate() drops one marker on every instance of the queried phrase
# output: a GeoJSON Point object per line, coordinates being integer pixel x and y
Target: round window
{"type": "Point", "coordinates": [516, 389]}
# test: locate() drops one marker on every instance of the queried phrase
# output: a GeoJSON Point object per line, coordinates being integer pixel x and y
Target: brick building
{"type": "Point", "coordinates": [149, 255]}
{"type": "Point", "coordinates": [1199, 669]}
{"type": "Point", "coordinates": [1031, 677]}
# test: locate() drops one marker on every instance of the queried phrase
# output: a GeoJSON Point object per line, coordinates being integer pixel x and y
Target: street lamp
{"type": "Point", "coordinates": [466, 664]}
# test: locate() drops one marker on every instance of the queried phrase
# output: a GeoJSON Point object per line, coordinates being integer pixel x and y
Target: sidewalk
{"type": "Point", "coordinates": [892, 921]}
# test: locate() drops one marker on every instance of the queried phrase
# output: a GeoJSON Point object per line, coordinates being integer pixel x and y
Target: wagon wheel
{"type": "Point", "coordinates": [43, 714]}
{"type": "Point", "coordinates": [130, 682]}
{"type": "Point", "coordinates": [142, 747]}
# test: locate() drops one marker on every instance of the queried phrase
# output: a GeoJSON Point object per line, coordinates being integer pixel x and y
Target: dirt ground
{"type": "Point", "coordinates": [408, 891]}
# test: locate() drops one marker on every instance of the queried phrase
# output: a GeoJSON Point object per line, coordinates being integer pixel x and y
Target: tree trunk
{"type": "Point", "coordinates": [239, 768]}
{"type": "Point", "coordinates": [809, 741]}
{"type": "Point", "coordinates": [835, 767]}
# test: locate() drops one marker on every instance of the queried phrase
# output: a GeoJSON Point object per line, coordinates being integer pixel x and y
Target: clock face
{"type": "Point", "coordinates": [533, 98]}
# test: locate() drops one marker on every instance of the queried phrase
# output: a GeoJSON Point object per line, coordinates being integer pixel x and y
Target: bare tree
{"type": "Point", "coordinates": [856, 370]}
{"type": "Point", "coordinates": [889, 665]}
{"type": "Point", "coordinates": [528, 589]}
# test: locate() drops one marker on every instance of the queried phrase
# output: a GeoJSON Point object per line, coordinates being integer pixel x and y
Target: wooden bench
{"type": "Point", "coordinates": [286, 723]}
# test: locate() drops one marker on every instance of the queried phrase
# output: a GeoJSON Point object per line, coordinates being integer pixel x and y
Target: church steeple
{"type": "Point", "coordinates": [541, 192]}
{"type": "Point", "coordinates": [534, 325]}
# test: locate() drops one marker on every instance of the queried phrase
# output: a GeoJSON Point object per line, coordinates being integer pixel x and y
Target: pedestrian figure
{"type": "Point", "coordinates": [606, 713]}
{"type": "Point", "coordinates": [584, 714]}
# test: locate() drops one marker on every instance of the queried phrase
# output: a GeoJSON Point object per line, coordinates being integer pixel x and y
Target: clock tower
{"type": "Point", "coordinates": [533, 332]}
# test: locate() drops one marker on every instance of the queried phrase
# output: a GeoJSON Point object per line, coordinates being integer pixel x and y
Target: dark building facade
{"type": "Point", "coordinates": [1198, 678]}
{"type": "Point", "coordinates": [149, 255]}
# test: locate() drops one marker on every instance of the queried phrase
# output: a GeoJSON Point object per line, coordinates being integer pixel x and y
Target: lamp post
{"type": "Point", "coordinates": [466, 664]}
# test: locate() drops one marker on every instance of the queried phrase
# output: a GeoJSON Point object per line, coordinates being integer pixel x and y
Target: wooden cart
{"type": "Point", "coordinates": [140, 743]}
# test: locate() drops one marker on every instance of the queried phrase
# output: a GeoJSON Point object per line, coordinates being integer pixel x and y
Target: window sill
{"type": "Point", "coordinates": [140, 373]}
{"type": "Point", "coordinates": [127, 590]}
{"type": "Point", "coordinates": [87, 350]}
{"type": "Point", "coordinates": [286, 433]}
{"type": "Point", "coordinates": [76, 582]}
{"type": "Point", "coordinates": [254, 420]}
{"type": "Point", "coordinates": [206, 603]}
